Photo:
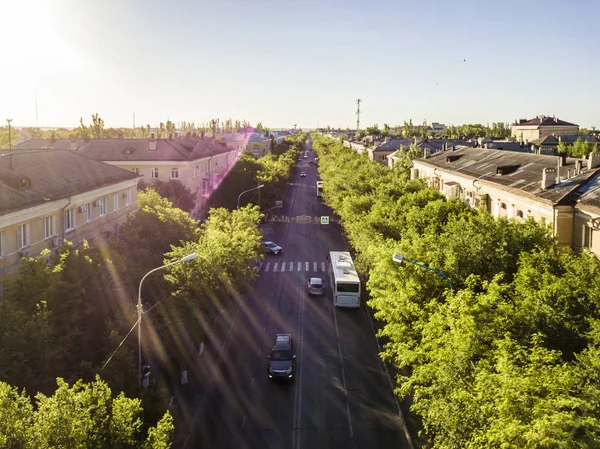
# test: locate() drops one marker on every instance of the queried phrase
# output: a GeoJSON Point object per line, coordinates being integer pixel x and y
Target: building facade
{"type": "Point", "coordinates": [541, 126]}
{"type": "Point", "coordinates": [52, 196]}
{"type": "Point", "coordinates": [512, 184]}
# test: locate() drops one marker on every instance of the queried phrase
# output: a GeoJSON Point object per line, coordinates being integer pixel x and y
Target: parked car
{"type": "Point", "coordinates": [302, 174]}
{"type": "Point", "coordinates": [272, 248]}
{"type": "Point", "coordinates": [282, 358]}
{"type": "Point", "coordinates": [316, 286]}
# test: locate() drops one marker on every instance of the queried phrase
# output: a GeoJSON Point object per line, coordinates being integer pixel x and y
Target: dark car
{"type": "Point", "coordinates": [282, 359]}
{"type": "Point", "coordinates": [272, 248]}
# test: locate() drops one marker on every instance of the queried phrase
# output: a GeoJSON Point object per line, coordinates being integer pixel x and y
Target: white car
{"type": "Point", "coordinates": [272, 248]}
{"type": "Point", "coordinates": [316, 286]}
{"type": "Point", "coordinates": [302, 174]}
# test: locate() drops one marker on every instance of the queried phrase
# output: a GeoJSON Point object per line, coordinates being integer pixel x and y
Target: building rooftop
{"type": "Point", "coordinates": [176, 149]}
{"type": "Point", "coordinates": [542, 120]}
{"type": "Point", "coordinates": [40, 176]}
{"type": "Point", "coordinates": [513, 170]}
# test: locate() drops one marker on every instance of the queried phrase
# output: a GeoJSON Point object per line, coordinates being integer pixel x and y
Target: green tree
{"type": "Point", "coordinates": [97, 127]}
{"type": "Point", "coordinates": [175, 191]}
{"type": "Point", "coordinates": [84, 415]}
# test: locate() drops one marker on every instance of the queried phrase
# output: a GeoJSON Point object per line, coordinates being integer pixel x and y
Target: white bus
{"type": "Point", "coordinates": [319, 188]}
{"type": "Point", "coordinates": [345, 282]}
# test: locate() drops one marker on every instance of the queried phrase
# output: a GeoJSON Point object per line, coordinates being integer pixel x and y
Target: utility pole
{"type": "Point", "coordinates": [358, 114]}
{"type": "Point", "coordinates": [8, 120]}
{"type": "Point", "coordinates": [134, 124]}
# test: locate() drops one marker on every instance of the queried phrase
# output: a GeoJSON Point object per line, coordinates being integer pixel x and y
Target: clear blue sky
{"type": "Point", "coordinates": [305, 62]}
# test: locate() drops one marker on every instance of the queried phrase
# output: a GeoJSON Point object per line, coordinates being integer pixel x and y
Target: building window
{"type": "Point", "coordinates": [154, 174]}
{"type": "Point", "coordinates": [23, 235]}
{"type": "Point", "coordinates": [116, 201]}
{"type": "Point", "coordinates": [136, 171]}
{"type": "Point", "coordinates": [204, 187]}
{"type": "Point", "coordinates": [102, 206]}
{"type": "Point", "coordinates": [88, 212]}
{"type": "Point", "coordinates": [49, 227]}
{"type": "Point", "coordinates": [69, 220]}
{"type": "Point", "coordinates": [519, 214]}
{"type": "Point", "coordinates": [174, 173]}
{"type": "Point", "coordinates": [127, 196]}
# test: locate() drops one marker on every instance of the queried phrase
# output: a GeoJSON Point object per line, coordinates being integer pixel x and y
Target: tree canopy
{"type": "Point", "coordinates": [506, 358]}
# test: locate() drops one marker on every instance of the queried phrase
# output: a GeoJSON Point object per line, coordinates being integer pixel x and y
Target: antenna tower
{"type": "Point", "coordinates": [358, 114]}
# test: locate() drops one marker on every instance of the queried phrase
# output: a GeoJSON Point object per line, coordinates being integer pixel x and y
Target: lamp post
{"type": "Point", "coordinates": [139, 307]}
{"type": "Point", "coordinates": [399, 259]}
{"type": "Point", "coordinates": [246, 191]}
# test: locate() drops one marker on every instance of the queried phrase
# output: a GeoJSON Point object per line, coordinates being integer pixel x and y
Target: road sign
{"type": "Point", "coordinates": [324, 220]}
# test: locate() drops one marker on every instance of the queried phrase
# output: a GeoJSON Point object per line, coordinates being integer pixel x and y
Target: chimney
{"type": "Point", "coordinates": [558, 165]}
{"type": "Point", "coordinates": [577, 166]}
{"type": "Point", "coordinates": [426, 153]}
{"type": "Point", "coordinates": [593, 160]}
{"type": "Point", "coordinates": [152, 144]}
{"type": "Point", "coordinates": [562, 161]}
{"type": "Point", "coordinates": [547, 178]}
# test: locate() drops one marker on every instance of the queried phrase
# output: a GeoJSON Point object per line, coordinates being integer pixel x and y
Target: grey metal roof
{"type": "Point", "coordinates": [177, 150]}
{"type": "Point", "coordinates": [52, 175]}
{"type": "Point", "coordinates": [523, 171]}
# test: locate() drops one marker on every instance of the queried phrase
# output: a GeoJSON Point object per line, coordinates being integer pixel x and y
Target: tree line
{"type": "Point", "coordinates": [97, 130]}
{"type": "Point", "coordinates": [510, 357]}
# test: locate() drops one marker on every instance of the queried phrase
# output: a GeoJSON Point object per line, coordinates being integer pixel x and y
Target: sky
{"type": "Point", "coordinates": [302, 62]}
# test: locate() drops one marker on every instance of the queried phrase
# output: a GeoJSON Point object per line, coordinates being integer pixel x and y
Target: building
{"type": "Point", "coordinates": [512, 184]}
{"type": "Point", "coordinates": [49, 196]}
{"type": "Point", "coordinates": [431, 146]}
{"type": "Point", "coordinates": [249, 140]}
{"type": "Point", "coordinates": [199, 163]}
{"type": "Point", "coordinates": [541, 126]}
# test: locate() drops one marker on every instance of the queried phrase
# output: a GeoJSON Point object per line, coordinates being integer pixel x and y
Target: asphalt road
{"type": "Point", "coordinates": [341, 397]}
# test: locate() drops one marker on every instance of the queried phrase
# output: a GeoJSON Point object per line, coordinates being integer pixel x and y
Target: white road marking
{"type": "Point", "coordinates": [307, 266]}
{"type": "Point", "coordinates": [297, 420]}
{"type": "Point", "coordinates": [275, 266]}
{"type": "Point", "coordinates": [299, 266]}
{"type": "Point", "coordinates": [282, 266]}
{"type": "Point", "coordinates": [267, 266]}
{"type": "Point", "coordinates": [337, 332]}
{"type": "Point", "coordinates": [291, 266]}
{"type": "Point", "coordinates": [314, 266]}
{"type": "Point", "coordinates": [322, 266]}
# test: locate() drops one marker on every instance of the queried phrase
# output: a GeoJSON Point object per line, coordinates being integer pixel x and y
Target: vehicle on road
{"type": "Point", "coordinates": [316, 286]}
{"type": "Point", "coordinates": [272, 248]}
{"type": "Point", "coordinates": [282, 358]}
{"type": "Point", "coordinates": [306, 156]}
{"type": "Point", "coordinates": [303, 174]}
{"type": "Point", "coordinates": [319, 188]}
{"type": "Point", "coordinates": [346, 283]}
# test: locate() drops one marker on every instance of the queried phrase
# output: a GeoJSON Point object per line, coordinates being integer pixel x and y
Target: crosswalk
{"type": "Point", "coordinates": [288, 267]}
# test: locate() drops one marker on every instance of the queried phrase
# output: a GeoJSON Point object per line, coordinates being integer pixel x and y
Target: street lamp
{"type": "Point", "coordinates": [246, 191]}
{"type": "Point", "coordinates": [399, 259]}
{"type": "Point", "coordinates": [139, 307]}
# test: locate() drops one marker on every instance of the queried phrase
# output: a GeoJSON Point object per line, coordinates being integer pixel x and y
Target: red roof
{"type": "Point", "coordinates": [542, 120]}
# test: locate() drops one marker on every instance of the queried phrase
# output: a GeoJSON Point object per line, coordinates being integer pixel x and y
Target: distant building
{"type": "Point", "coordinates": [249, 140]}
{"type": "Point", "coordinates": [541, 126]}
{"type": "Point", "coordinates": [49, 196]}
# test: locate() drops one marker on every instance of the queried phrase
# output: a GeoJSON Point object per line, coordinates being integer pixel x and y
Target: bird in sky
{"type": "Point", "coordinates": [464, 60]}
